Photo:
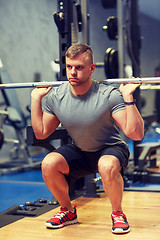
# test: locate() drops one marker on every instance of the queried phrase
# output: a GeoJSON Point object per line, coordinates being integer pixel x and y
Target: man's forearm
{"type": "Point", "coordinates": [36, 116]}
{"type": "Point", "coordinates": [135, 123]}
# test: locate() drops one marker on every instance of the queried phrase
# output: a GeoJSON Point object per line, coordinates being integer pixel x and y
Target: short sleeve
{"type": "Point", "coordinates": [116, 101]}
{"type": "Point", "coordinates": [48, 104]}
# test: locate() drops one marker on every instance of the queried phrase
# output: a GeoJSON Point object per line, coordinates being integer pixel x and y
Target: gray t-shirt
{"type": "Point", "coordinates": [88, 118]}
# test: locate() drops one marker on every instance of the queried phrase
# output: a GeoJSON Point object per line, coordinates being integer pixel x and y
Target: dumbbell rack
{"type": "Point", "coordinates": [28, 209]}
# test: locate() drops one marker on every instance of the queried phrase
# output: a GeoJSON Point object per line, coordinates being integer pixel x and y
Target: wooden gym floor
{"type": "Point", "coordinates": [142, 210]}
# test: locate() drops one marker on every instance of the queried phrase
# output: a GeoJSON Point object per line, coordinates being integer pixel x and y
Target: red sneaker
{"type": "Point", "coordinates": [62, 218]}
{"type": "Point", "coordinates": [120, 224]}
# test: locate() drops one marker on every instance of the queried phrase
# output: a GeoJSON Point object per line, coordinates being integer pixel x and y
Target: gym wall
{"type": "Point", "coordinates": [29, 41]}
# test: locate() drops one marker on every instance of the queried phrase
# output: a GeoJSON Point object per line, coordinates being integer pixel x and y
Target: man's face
{"type": "Point", "coordinates": [79, 69]}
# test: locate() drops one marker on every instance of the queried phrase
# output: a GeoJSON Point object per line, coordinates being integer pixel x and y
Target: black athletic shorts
{"type": "Point", "coordinates": [83, 163]}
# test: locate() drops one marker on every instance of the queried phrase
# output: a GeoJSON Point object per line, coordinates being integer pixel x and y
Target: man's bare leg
{"type": "Point", "coordinates": [54, 167]}
{"type": "Point", "coordinates": [109, 169]}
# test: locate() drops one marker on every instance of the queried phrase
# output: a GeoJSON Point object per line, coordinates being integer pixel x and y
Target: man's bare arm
{"type": "Point", "coordinates": [130, 120]}
{"type": "Point", "coordinates": [43, 123]}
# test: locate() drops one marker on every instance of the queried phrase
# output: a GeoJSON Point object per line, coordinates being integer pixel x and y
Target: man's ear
{"type": "Point", "coordinates": [93, 66]}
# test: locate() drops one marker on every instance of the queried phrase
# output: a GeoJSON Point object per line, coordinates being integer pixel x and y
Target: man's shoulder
{"type": "Point", "coordinates": [60, 91]}
{"type": "Point", "coordinates": [104, 88]}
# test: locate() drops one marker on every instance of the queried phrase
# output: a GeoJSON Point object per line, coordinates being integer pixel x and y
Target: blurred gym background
{"type": "Point", "coordinates": [29, 49]}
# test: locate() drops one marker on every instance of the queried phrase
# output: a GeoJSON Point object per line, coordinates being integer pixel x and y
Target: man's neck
{"type": "Point", "coordinates": [81, 89]}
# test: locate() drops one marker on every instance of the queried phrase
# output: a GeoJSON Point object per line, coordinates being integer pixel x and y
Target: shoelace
{"type": "Point", "coordinates": [60, 214]}
{"type": "Point", "coordinates": [118, 219]}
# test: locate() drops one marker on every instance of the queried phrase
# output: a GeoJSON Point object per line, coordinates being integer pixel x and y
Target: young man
{"type": "Point", "coordinates": [91, 112]}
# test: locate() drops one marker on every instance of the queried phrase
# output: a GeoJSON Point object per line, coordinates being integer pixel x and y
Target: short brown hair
{"type": "Point", "coordinates": [79, 48]}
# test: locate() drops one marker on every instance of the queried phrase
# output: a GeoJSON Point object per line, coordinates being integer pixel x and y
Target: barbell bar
{"type": "Point", "coordinates": [137, 80]}
{"type": "Point", "coordinates": [30, 84]}
{"type": "Point", "coordinates": [148, 80]}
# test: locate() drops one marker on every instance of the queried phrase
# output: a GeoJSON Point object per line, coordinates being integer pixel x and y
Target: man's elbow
{"type": "Point", "coordinates": [137, 136]}
{"type": "Point", "coordinates": [40, 136]}
{"type": "Point", "coordinates": [140, 133]}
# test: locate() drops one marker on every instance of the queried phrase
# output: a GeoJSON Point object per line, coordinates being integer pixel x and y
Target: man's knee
{"type": "Point", "coordinates": [109, 167]}
{"type": "Point", "coordinates": [54, 162]}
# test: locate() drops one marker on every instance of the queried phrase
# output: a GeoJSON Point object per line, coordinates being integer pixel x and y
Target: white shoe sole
{"type": "Point", "coordinates": [120, 231]}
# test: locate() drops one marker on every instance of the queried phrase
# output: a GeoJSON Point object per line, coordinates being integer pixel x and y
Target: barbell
{"type": "Point", "coordinates": [147, 80]}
